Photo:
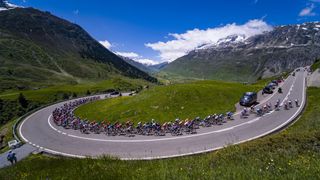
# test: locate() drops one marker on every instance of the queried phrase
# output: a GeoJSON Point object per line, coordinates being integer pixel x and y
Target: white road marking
{"type": "Point", "coordinates": [213, 149]}
{"type": "Point", "coordinates": [162, 139]}
{"type": "Point", "coordinates": [153, 140]}
{"type": "Point", "coordinates": [61, 153]}
{"type": "Point", "coordinates": [254, 120]}
{"type": "Point", "coordinates": [197, 152]}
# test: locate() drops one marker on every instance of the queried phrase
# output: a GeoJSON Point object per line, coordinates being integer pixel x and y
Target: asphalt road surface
{"type": "Point", "coordinates": [39, 131]}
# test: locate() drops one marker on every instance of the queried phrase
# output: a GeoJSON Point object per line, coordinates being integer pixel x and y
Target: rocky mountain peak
{"type": "Point", "coordinates": [5, 5]}
{"type": "Point", "coordinates": [224, 42]}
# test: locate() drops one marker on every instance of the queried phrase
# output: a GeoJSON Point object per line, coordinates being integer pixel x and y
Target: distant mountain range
{"type": "Point", "coordinates": [240, 58]}
{"type": "Point", "coordinates": [158, 67]}
{"type": "Point", "coordinates": [151, 69]}
{"type": "Point", "coordinates": [37, 46]}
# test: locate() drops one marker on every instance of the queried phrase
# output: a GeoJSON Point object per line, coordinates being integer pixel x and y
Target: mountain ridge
{"type": "Point", "coordinates": [151, 69]}
{"type": "Point", "coordinates": [260, 56]}
{"type": "Point", "coordinates": [36, 45]}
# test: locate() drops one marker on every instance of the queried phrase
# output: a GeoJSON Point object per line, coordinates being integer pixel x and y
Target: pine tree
{"type": "Point", "coordinates": [23, 101]}
{"type": "Point", "coordinates": [74, 95]}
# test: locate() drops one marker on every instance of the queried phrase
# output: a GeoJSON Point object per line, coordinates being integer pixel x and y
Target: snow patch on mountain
{"type": "Point", "coordinates": [224, 42]}
{"type": "Point", "coordinates": [183, 43]}
{"type": "Point", "coordinates": [5, 5]}
{"type": "Point", "coordinates": [237, 40]}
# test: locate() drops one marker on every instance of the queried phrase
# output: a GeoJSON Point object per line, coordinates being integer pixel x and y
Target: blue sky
{"type": "Point", "coordinates": [129, 25]}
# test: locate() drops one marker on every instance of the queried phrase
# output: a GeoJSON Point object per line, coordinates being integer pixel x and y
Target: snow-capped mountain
{"type": "Point", "coordinates": [285, 37]}
{"type": "Point", "coordinates": [281, 36]}
{"type": "Point", "coordinates": [5, 5]}
{"type": "Point", "coordinates": [241, 58]}
{"type": "Point", "coordinates": [149, 68]}
{"type": "Point", "coordinates": [227, 41]}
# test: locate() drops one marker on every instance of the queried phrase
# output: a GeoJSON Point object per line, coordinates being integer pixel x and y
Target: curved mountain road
{"type": "Point", "coordinates": [39, 131]}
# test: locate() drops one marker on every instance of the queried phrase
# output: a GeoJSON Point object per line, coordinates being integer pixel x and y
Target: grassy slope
{"type": "Point", "coordinates": [265, 81]}
{"type": "Point", "coordinates": [316, 65]}
{"type": "Point", "coordinates": [165, 103]}
{"type": "Point", "coordinates": [53, 93]}
{"type": "Point", "coordinates": [11, 109]}
{"type": "Point", "coordinates": [6, 130]}
{"type": "Point", "coordinates": [291, 154]}
{"type": "Point", "coordinates": [38, 49]}
{"type": "Point", "coordinates": [27, 69]}
{"type": "Point", "coordinates": [216, 67]}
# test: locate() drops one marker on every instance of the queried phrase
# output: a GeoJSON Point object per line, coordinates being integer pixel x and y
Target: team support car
{"type": "Point", "coordinates": [267, 90]}
{"type": "Point", "coordinates": [248, 99]}
{"type": "Point", "coordinates": [115, 93]}
{"type": "Point", "coordinates": [272, 85]}
{"type": "Point", "coordinates": [275, 82]}
{"type": "Point", "coordinates": [14, 144]}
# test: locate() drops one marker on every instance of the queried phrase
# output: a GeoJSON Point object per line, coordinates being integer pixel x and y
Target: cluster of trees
{"type": "Point", "coordinates": [10, 109]}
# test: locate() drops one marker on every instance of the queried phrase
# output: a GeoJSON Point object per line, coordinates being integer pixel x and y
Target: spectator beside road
{"type": "Point", "coordinates": [12, 157]}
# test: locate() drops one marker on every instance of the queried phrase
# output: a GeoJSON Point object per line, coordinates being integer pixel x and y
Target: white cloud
{"type": "Point", "coordinates": [183, 43]}
{"type": "Point", "coordinates": [136, 57]}
{"type": "Point", "coordinates": [308, 11]}
{"type": "Point", "coordinates": [130, 55]}
{"type": "Point", "coordinates": [147, 62]}
{"type": "Point", "coordinates": [106, 44]}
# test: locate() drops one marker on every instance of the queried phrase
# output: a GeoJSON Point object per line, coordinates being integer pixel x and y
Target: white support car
{"type": "Point", "coordinates": [14, 144]}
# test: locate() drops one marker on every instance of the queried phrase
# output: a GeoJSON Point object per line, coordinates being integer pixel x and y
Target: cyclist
{"type": "Point", "coordinates": [265, 108]}
{"type": "Point", "coordinates": [297, 102]}
{"type": "Point", "coordinates": [277, 105]}
{"type": "Point", "coordinates": [269, 105]}
{"type": "Point", "coordinates": [259, 112]}
{"type": "Point", "coordinates": [229, 115]}
{"type": "Point", "coordinates": [286, 106]}
{"type": "Point", "coordinates": [252, 109]}
{"type": "Point", "coordinates": [244, 113]}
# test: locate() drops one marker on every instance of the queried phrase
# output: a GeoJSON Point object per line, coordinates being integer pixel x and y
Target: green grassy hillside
{"type": "Point", "coordinates": [52, 93]}
{"type": "Point", "coordinates": [291, 154]}
{"type": "Point", "coordinates": [166, 103]}
{"type": "Point", "coordinates": [26, 65]}
{"type": "Point", "coordinates": [228, 69]}
{"type": "Point", "coordinates": [10, 107]}
{"type": "Point", "coordinates": [38, 49]}
{"type": "Point", "coordinates": [315, 65]}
